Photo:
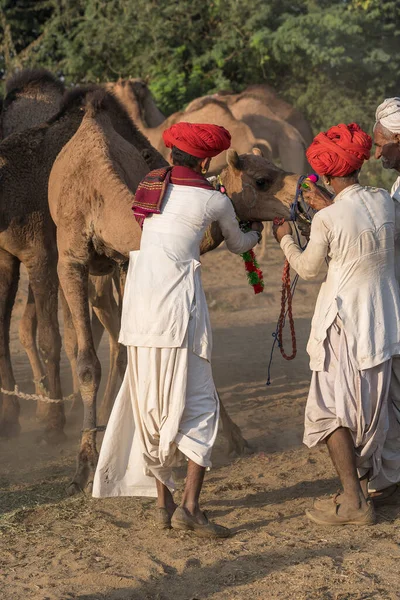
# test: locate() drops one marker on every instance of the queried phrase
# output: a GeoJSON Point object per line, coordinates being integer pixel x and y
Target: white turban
{"type": "Point", "coordinates": [388, 114]}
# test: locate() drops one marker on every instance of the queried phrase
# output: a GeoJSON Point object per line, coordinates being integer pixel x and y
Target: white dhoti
{"type": "Point", "coordinates": [167, 409]}
{"type": "Point", "coordinates": [364, 402]}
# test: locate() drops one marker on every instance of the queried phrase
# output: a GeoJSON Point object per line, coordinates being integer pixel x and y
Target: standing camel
{"type": "Point", "coordinates": [136, 97]}
{"type": "Point", "coordinates": [33, 96]}
{"type": "Point", "coordinates": [27, 234]}
{"type": "Point", "coordinates": [91, 190]}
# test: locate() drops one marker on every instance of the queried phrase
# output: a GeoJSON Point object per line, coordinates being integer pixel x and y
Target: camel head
{"type": "Point", "coordinates": [138, 100]}
{"type": "Point", "coordinates": [258, 189]}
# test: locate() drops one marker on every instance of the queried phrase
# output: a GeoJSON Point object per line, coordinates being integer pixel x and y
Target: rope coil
{"type": "Point", "coordinates": [298, 208]}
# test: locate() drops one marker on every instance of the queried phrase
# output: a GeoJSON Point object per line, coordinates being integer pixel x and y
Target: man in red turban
{"type": "Point", "coordinates": [202, 140]}
{"type": "Point", "coordinates": [193, 146]}
{"type": "Point", "coordinates": [355, 329]}
{"type": "Point", "coordinates": [168, 408]}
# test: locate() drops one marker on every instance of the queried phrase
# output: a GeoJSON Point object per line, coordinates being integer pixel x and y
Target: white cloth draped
{"type": "Point", "coordinates": [167, 409]}
{"type": "Point", "coordinates": [343, 396]}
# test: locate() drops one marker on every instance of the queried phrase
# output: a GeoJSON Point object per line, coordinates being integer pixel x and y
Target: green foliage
{"type": "Point", "coordinates": [336, 60]}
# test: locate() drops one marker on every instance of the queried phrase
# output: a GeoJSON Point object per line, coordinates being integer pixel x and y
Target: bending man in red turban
{"type": "Point", "coordinates": [355, 329]}
{"type": "Point", "coordinates": [167, 409]}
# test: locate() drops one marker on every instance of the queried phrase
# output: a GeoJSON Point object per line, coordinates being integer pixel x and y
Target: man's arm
{"type": "Point", "coordinates": [307, 263]}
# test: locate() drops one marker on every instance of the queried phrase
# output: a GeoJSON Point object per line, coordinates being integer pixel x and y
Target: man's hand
{"type": "Point", "coordinates": [316, 197]}
{"type": "Point", "coordinates": [280, 231]}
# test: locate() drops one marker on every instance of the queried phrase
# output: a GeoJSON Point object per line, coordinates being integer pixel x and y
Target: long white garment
{"type": "Point", "coordinates": [167, 409]}
{"type": "Point", "coordinates": [343, 396]}
{"type": "Point", "coordinates": [167, 406]}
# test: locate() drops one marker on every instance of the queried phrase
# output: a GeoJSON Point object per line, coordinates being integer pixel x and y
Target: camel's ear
{"type": "Point", "coordinates": [233, 160]}
{"type": "Point", "coordinates": [257, 152]}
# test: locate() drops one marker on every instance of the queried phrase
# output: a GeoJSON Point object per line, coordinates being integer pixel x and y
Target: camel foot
{"type": "Point", "coordinates": [242, 450]}
{"type": "Point", "coordinates": [73, 489]}
{"type": "Point", "coordinates": [10, 429]}
{"type": "Point", "coordinates": [87, 461]}
{"type": "Point", "coordinates": [237, 444]}
{"type": "Point", "coordinates": [51, 437]}
{"type": "Point", "coordinates": [76, 488]}
{"type": "Point", "coordinates": [238, 447]}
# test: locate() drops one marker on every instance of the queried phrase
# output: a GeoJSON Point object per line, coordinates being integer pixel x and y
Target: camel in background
{"type": "Point", "coordinates": [281, 108]}
{"type": "Point", "coordinates": [287, 144]}
{"type": "Point", "coordinates": [136, 98]}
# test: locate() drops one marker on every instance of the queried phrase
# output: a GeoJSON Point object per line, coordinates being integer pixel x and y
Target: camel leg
{"type": "Point", "coordinates": [44, 282]}
{"type": "Point", "coordinates": [10, 409]}
{"type": "Point", "coordinates": [106, 308]}
{"type": "Point", "coordinates": [71, 347]}
{"type": "Point", "coordinates": [71, 350]}
{"type": "Point", "coordinates": [74, 282]}
{"type": "Point", "coordinates": [236, 443]}
{"type": "Point", "coordinates": [97, 330]}
{"type": "Point", "coordinates": [27, 337]}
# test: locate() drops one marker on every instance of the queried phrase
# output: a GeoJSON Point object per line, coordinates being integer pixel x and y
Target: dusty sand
{"type": "Point", "coordinates": [58, 548]}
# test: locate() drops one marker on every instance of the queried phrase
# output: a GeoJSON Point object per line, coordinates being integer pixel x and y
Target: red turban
{"type": "Point", "coordinates": [340, 150]}
{"type": "Point", "coordinates": [202, 140]}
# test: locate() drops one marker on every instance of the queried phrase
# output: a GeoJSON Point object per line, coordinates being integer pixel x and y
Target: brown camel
{"type": "Point", "coordinates": [282, 109]}
{"type": "Point", "coordinates": [268, 96]}
{"type": "Point", "coordinates": [136, 97]}
{"type": "Point", "coordinates": [287, 145]}
{"type": "Point", "coordinates": [27, 234]}
{"type": "Point", "coordinates": [91, 190]}
{"type": "Point", "coordinates": [32, 97]}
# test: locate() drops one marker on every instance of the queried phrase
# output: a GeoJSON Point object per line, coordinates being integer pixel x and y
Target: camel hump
{"type": "Point", "coordinates": [200, 103]}
{"type": "Point", "coordinates": [31, 79]}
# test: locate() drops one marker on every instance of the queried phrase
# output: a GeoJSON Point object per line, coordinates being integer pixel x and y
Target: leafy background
{"type": "Point", "coordinates": [336, 60]}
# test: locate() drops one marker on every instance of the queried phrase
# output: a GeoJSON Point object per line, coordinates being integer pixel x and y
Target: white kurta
{"type": "Point", "coordinates": [355, 329]}
{"type": "Point", "coordinates": [167, 408]}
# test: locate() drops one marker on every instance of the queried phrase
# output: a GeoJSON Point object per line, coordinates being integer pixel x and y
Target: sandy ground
{"type": "Point", "coordinates": [58, 548]}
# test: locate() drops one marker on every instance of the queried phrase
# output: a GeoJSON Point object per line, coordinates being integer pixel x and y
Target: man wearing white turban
{"type": "Point", "coordinates": [387, 148]}
{"type": "Point", "coordinates": [387, 138]}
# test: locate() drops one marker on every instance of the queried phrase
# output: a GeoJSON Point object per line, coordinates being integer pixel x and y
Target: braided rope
{"type": "Point", "coordinates": [37, 397]}
{"type": "Point", "coordinates": [286, 297]}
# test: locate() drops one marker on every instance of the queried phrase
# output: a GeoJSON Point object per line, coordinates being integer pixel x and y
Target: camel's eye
{"type": "Point", "coordinates": [260, 182]}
